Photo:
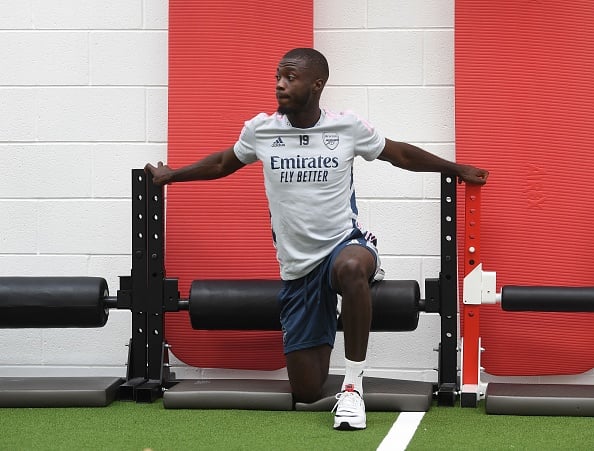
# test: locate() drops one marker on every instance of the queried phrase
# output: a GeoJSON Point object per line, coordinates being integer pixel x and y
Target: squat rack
{"type": "Point", "coordinates": [150, 295]}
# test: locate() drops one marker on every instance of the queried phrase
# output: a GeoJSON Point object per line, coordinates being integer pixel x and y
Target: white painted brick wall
{"type": "Point", "coordinates": [88, 14]}
{"type": "Point", "coordinates": [83, 98]}
{"type": "Point", "coordinates": [128, 58]}
{"type": "Point", "coordinates": [44, 58]}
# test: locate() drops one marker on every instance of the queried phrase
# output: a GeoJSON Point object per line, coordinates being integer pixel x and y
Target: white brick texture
{"type": "Point", "coordinates": [91, 114]}
{"type": "Point", "coordinates": [16, 14]}
{"type": "Point", "coordinates": [44, 58]}
{"type": "Point", "coordinates": [18, 225]}
{"type": "Point", "coordinates": [84, 227]}
{"type": "Point", "coordinates": [83, 99]}
{"type": "Point", "coordinates": [128, 58]}
{"type": "Point", "coordinates": [87, 14]}
{"type": "Point", "coordinates": [413, 114]}
{"type": "Point", "coordinates": [70, 167]}
{"type": "Point", "coordinates": [410, 14]}
{"type": "Point", "coordinates": [378, 57]}
{"type": "Point", "coordinates": [17, 115]}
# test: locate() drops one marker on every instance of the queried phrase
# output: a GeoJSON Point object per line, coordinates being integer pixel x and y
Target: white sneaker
{"type": "Point", "coordinates": [350, 411]}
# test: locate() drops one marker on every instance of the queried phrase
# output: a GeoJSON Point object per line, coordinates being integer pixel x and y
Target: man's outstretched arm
{"type": "Point", "coordinates": [412, 158]}
{"type": "Point", "coordinates": [214, 166]}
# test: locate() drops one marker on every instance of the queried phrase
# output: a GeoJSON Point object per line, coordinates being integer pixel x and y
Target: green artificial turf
{"type": "Point", "coordinates": [131, 426]}
{"type": "Point", "coordinates": [455, 428]}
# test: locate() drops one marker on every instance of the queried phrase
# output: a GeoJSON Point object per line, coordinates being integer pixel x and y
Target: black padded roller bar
{"type": "Point", "coordinates": [253, 305]}
{"type": "Point", "coordinates": [547, 299]}
{"type": "Point", "coordinates": [53, 302]}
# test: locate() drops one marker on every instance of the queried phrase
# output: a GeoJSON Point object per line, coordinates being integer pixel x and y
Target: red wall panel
{"type": "Point", "coordinates": [222, 63]}
{"type": "Point", "coordinates": [525, 111]}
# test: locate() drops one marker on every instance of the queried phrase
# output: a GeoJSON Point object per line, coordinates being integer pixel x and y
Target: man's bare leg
{"type": "Point", "coordinates": [308, 371]}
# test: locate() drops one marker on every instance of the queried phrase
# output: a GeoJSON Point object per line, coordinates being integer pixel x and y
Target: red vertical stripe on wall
{"type": "Point", "coordinates": [524, 110]}
{"type": "Point", "coordinates": [222, 63]}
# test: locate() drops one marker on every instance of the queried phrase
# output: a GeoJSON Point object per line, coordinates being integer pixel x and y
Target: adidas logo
{"type": "Point", "coordinates": [278, 142]}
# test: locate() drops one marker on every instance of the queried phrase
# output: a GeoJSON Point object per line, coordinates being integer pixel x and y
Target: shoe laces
{"type": "Point", "coordinates": [347, 400]}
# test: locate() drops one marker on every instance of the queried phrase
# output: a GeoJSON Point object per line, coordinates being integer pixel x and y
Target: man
{"type": "Point", "coordinates": [307, 155]}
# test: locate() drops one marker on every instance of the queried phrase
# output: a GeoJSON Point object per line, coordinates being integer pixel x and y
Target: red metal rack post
{"type": "Point", "coordinates": [471, 347]}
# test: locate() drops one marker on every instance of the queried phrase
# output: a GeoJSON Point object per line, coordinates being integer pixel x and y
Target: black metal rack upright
{"type": "Point", "coordinates": [448, 384]}
{"type": "Point", "coordinates": [145, 288]}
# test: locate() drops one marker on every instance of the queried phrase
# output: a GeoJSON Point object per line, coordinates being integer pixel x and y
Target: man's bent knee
{"type": "Point", "coordinates": [354, 264]}
{"type": "Point", "coordinates": [308, 371]}
{"type": "Point", "coordinates": [306, 394]}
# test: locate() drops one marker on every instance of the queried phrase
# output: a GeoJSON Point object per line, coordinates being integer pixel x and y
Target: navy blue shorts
{"type": "Point", "coordinates": [308, 311]}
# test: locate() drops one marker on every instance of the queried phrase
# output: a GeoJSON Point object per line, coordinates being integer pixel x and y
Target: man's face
{"type": "Point", "coordinates": [294, 83]}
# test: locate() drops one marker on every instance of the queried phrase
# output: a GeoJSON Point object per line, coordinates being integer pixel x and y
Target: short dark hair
{"type": "Point", "coordinates": [317, 60]}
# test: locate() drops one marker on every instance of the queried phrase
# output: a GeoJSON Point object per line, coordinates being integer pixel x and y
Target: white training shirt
{"type": "Point", "coordinates": [308, 175]}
